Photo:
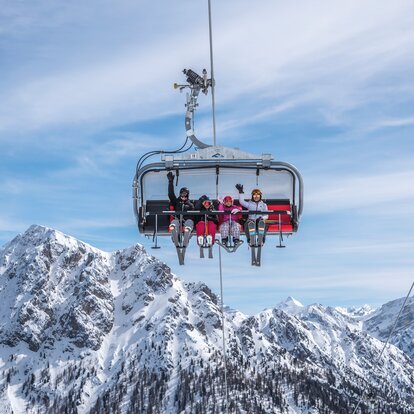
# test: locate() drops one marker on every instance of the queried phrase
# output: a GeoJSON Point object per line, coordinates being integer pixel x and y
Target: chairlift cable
{"type": "Point", "coordinates": [212, 72]}
{"type": "Point", "coordinates": [385, 344]}
{"type": "Point", "coordinates": [223, 333]}
{"type": "Point", "coordinates": [149, 155]}
{"type": "Point", "coordinates": [156, 152]}
{"type": "Point", "coordinates": [215, 141]}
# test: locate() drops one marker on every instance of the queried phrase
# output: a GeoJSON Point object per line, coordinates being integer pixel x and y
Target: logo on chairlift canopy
{"type": "Point", "coordinates": [217, 155]}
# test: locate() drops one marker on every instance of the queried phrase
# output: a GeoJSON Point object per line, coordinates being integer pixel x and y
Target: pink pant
{"type": "Point", "coordinates": [211, 228]}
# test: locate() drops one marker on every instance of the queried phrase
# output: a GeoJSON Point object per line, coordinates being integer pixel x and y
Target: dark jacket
{"type": "Point", "coordinates": [199, 206]}
{"type": "Point", "coordinates": [178, 204]}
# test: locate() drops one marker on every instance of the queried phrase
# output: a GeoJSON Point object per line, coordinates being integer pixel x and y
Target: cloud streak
{"type": "Point", "coordinates": [354, 192]}
{"type": "Point", "coordinates": [303, 47]}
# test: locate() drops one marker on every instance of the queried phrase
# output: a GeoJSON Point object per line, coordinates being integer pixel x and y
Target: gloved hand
{"type": "Point", "coordinates": [235, 211]}
{"type": "Point", "coordinates": [240, 188]}
{"type": "Point", "coordinates": [170, 176]}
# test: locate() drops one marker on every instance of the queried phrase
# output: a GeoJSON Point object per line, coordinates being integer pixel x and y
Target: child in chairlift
{"type": "Point", "coordinates": [229, 223]}
{"type": "Point", "coordinates": [206, 226]}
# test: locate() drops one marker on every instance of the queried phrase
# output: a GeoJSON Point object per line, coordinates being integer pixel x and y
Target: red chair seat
{"type": "Point", "coordinates": [285, 224]}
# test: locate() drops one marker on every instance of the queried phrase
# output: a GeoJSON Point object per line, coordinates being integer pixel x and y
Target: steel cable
{"type": "Point", "coordinates": [385, 345]}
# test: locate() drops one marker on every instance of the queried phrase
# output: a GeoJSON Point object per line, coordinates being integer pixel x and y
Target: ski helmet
{"type": "Point", "coordinates": [184, 191]}
{"type": "Point", "coordinates": [256, 191]}
{"type": "Point", "coordinates": [228, 198]}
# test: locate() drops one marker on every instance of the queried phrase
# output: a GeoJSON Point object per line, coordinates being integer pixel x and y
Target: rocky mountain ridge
{"type": "Point", "coordinates": [84, 331]}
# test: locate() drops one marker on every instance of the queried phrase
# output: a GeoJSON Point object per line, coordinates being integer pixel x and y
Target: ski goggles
{"type": "Point", "coordinates": [207, 203]}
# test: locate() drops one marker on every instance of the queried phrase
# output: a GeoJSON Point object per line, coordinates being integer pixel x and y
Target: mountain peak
{"type": "Point", "coordinates": [290, 305]}
{"type": "Point", "coordinates": [55, 287]}
{"type": "Point", "coordinates": [292, 301]}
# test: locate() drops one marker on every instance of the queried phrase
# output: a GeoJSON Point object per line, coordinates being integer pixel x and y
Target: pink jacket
{"type": "Point", "coordinates": [226, 217]}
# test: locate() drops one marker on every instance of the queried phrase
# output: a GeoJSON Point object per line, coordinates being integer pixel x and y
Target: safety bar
{"type": "Point", "coordinates": [215, 212]}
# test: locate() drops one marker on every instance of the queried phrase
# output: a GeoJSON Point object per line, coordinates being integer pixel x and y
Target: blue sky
{"type": "Point", "coordinates": [86, 88]}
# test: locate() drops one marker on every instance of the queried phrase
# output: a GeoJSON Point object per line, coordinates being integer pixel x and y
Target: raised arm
{"type": "Point", "coordinates": [171, 194]}
{"type": "Point", "coordinates": [243, 203]}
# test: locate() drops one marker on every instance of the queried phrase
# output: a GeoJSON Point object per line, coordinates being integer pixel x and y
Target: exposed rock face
{"type": "Point", "coordinates": [380, 324]}
{"type": "Point", "coordinates": [54, 287]}
{"type": "Point", "coordinates": [83, 331]}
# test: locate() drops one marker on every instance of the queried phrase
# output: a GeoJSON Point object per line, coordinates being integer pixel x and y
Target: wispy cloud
{"type": "Point", "coordinates": [369, 248]}
{"type": "Point", "coordinates": [397, 122]}
{"type": "Point", "coordinates": [358, 191]}
{"type": "Point", "coordinates": [307, 50]}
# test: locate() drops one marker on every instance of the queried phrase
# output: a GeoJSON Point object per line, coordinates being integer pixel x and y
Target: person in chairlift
{"type": "Point", "coordinates": [206, 223]}
{"type": "Point", "coordinates": [254, 204]}
{"type": "Point", "coordinates": [229, 223]}
{"type": "Point", "coordinates": [180, 204]}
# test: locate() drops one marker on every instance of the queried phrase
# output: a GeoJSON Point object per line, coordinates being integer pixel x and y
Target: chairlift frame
{"type": "Point", "coordinates": [152, 217]}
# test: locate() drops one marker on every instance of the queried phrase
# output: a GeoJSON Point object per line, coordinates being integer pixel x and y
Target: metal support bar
{"type": "Point", "coordinates": [156, 234]}
{"type": "Point", "coordinates": [280, 233]}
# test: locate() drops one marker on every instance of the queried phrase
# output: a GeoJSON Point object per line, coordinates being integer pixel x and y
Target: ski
{"type": "Point", "coordinates": [260, 240]}
{"type": "Point", "coordinates": [175, 237]}
{"type": "Point", "coordinates": [186, 238]}
{"type": "Point", "coordinates": [253, 249]}
{"type": "Point", "coordinates": [258, 255]}
{"type": "Point", "coordinates": [205, 245]}
{"type": "Point", "coordinates": [251, 226]}
{"type": "Point", "coordinates": [261, 233]}
{"type": "Point", "coordinates": [180, 254]}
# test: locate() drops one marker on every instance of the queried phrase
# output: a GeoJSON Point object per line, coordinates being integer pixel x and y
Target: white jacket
{"type": "Point", "coordinates": [253, 206]}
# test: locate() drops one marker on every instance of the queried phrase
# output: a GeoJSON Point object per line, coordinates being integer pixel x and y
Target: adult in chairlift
{"type": "Point", "coordinates": [181, 222]}
{"type": "Point", "coordinates": [255, 224]}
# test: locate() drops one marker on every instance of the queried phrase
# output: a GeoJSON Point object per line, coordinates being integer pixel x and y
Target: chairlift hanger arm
{"type": "Point", "coordinates": [196, 83]}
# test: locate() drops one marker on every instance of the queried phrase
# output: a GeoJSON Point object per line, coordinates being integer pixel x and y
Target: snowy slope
{"type": "Point", "coordinates": [380, 324]}
{"type": "Point", "coordinates": [84, 331]}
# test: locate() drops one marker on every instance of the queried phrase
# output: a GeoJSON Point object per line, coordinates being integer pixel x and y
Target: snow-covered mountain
{"type": "Point", "coordinates": [84, 331]}
{"type": "Point", "coordinates": [381, 323]}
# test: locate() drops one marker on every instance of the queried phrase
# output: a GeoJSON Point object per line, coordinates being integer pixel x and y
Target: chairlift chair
{"type": "Point", "coordinates": [214, 171]}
